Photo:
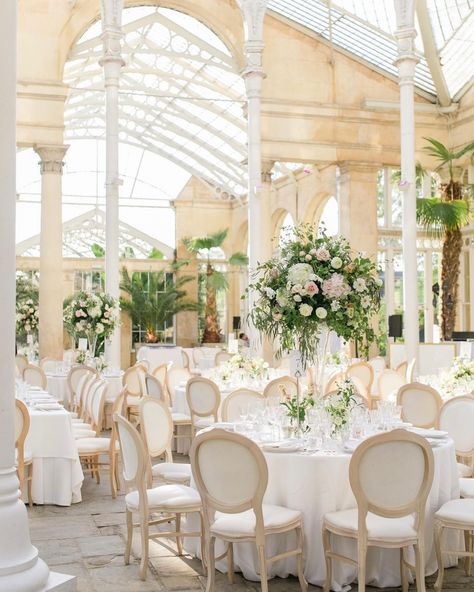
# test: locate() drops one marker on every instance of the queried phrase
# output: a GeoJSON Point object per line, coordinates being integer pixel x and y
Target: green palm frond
{"type": "Point", "coordinates": [438, 216]}
{"type": "Point", "coordinates": [210, 241]}
{"type": "Point", "coordinates": [239, 259]}
{"type": "Point", "coordinates": [465, 150]}
{"type": "Point", "coordinates": [444, 155]}
{"type": "Point", "coordinates": [420, 172]}
{"type": "Point", "coordinates": [217, 281]}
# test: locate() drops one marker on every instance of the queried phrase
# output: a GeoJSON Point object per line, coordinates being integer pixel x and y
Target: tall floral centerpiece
{"type": "Point", "coordinates": [316, 285]}
{"type": "Point", "coordinates": [91, 315]}
{"type": "Point", "coordinates": [27, 317]}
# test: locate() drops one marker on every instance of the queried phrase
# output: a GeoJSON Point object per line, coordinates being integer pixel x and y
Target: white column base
{"type": "Point", "coordinates": [61, 582]}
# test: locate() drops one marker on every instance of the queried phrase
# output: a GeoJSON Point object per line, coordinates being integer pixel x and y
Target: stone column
{"type": "Point", "coordinates": [21, 570]}
{"type": "Point", "coordinates": [112, 62]}
{"type": "Point", "coordinates": [406, 62]}
{"type": "Point", "coordinates": [253, 12]}
{"type": "Point", "coordinates": [357, 195]}
{"type": "Point", "coordinates": [51, 252]}
{"type": "Point", "coordinates": [266, 237]}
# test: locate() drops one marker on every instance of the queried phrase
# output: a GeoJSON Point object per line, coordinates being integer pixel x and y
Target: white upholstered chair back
{"type": "Point", "coordinates": [174, 377]}
{"type": "Point", "coordinates": [420, 404]}
{"type": "Point", "coordinates": [410, 374]}
{"type": "Point", "coordinates": [153, 387]}
{"type": "Point", "coordinates": [34, 376]}
{"type": "Point", "coordinates": [198, 354]}
{"type": "Point", "coordinates": [364, 372]}
{"type": "Point", "coordinates": [75, 374]}
{"type": "Point", "coordinates": [232, 404]}
{"type": "Point", "coordinates": [22, 423]}
{"type": "Point", "coordinates": [222, 357]}
{"type": "Point", "coordinates": [391, 475]}
{"type": "Point", "coordinates": [156, 426]}
{"type": "Point", "coordinates": [97, 404]}
{"type": "Point", "coordinates": [203, 397]}
{"type": "Point", "coordinates": [160, 374]}
{"type": "Point", "coordinates": [389, 383]}
{"type": "Point", "coordinates": [133, 380]}
{"type": "Point", "coordinates": [456, 417]}
{"type": "Point", "coordinates": [378, 364]}
{"type": "Point", "coordinates": [134, 461]}
{"type": "Point", "coordinates": [333, 381]}
{"type": "Point", "coordinates": [230, 472]}
{"type": "Point", "coordinates": [402, 369]}
{"type": "Point", "coordinates": [21, 363]}
{"type": "Point", "coordinates": [48, 365]}
{"type": "Point", "coordinates": [274, 387]}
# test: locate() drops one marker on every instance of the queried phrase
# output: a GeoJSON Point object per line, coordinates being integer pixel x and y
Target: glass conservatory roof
{"type": "Point", "coordinates": [181, 95]}
{"type": "Point", "coordinates": [365, 28]}
{"type": "Point", "coordinates": [86, 230]}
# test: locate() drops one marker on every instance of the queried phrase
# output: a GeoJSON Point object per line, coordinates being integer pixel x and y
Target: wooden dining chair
{"type": "Point", "coordinates": [333, 382]}
{"type": "Point", "coordinates": [49, 365]}
{"type": "Point", "coordinates": [134, 381]}
{"type": "Point", "coordinates": [153, 388]}
{"type": "Point", "coordinates": [186, 360]}
{"type": "Point", "coordinates": [21, 363]}
{"type": "Point", "coordinates": [456, 417]}
{"type": "Point", "coordinates": [174, 378]}
{"type": "Point", "coordinates": [160, 373]}
{"type": "Point", "coordinates": [410, 374]}
{"type": "Point", "coordinates": [389, 383]}
{"type": "Point", "coordinates": [34, 376]}
{"type": "Point", "coordinates": [364, 372]}
{"type": "Point", "coordinates": [24, 458]}
{"type": "Point", "coordinates": [232, 404]}
{"type": "Point", "coordinates": [222, 357]}
{"type": "Point", "coordinates": [231, 476]}
{"type": "Point", "coordinates": [171, 501]}
{"type": "Point", "coordinates": [204, 399]}
{"type": "Point", "coordinates": [275, 387]}
{"type": "Point", "coordinates": [74, 376]}
{"type": "Point", "coordinates": [402, 369]}
{"type": "Point", "coordinates": [390, 476]}
{"type": "Point", "coordinates": [420, 404]}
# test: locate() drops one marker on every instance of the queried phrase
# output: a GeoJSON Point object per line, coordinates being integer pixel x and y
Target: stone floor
{"type": "Point", "coordinates": [88, 539]}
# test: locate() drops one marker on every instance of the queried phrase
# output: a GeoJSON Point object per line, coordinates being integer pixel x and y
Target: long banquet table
{"type": "Point", "coordinates": [57, 472]}
{"type": "Point", "coordinates": [317, 484]}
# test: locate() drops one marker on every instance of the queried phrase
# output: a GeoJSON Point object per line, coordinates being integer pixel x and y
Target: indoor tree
{"type": "Point", "coordinates": [152, 300]}
{"type": "Point", "coordinates": [215, 280]}
{"type": "Point", "coordinates": [445, 216]}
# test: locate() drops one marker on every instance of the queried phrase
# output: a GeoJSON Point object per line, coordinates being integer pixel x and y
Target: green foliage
{"type": "Point", "coordinates": [239, 259]}
{"type": "Point", "coordinates": [152, 301]}
{"type": "Point", "coordinates": [26, 289]}
{"type": "Point", "coordinates": [439, 216]}
{"type": "Point", "coordinates": [128, 252]}
{"type": "Point", "coordinates": [155, 254]}
{"type": "Point", "coordinates": [445, 156]}
{"type": "Point", "coordinates": [97, 250]}
{"type": "Point", "coordinates": [210, 241]}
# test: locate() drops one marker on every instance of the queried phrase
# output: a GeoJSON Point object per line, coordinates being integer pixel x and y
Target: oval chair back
{"type": "Point", "coordinates": [233, 403]}
{"type": "Point", "coordinates": [222, 357]}
{"type": "Point", "coordinates": [420, 404]}
{"type": "Point", "coordinates": [174, 377]}
{"type": "Point", "coordinates": [160, 374]}
{"type": "Point", "coordinates": [456, 417]}
{"type": "Point", "coordinates": [153, 387]}
{"type": "Point", "coordinates": [49, 365]}
{"type": "Point", "coordinates": [333, 381]}
{"type": "Point", "coordinates": [156, 427]}
{"type": "Point", "coordinates": [73, 377]}
{"type": "Point", "coordinates": [402, 369]}
{"type": "Point", "coordinates": [133, 380]}
{"type": "Point", "coordinates": [276, 386]}
{"type": "Point", "coordinates": [203, 398]}
{"type": "Point", "coordinates": [389, 383]}
{"type": "Point", "coordinates": [21, 363]}
{"type": "Point", "coordinates": [34, 376]}
{"type": "Point", "coordinates": [364, 372]}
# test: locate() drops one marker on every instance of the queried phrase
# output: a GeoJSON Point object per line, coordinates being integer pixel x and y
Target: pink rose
{"type": "Point", "coordinates": [322, 254]}
{"type": "Point", "coordinates": [311, 288]}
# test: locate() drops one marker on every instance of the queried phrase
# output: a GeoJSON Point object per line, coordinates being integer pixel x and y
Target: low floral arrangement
{"type": "Point", "coordinates": [296, 408]}
{"type": "Point", "coordinates": [240, 366]}
{"type": "Point", "coordinates": [460, 379]}
{"type": "Point", "coordinates": [316, 283]}
{"type": "Point", "coordinates": [340, 404]}
{"type": "Point", "coordinates": [90, 315]}
{"type": "Point", "coordinates": [27, 317]}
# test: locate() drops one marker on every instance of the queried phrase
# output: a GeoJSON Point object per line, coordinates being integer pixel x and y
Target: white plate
{"type": "Point", "coordinates": [429, 433]}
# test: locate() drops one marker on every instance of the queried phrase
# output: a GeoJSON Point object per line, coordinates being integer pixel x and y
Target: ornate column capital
{"type": "Point", "coordinates": [111, 11]}
{"type": "Point", "coordinates": [405, 35]}
{"type": "Point", "coordinates": [51, 158]}
{"type": "Point", "coordinates": [253, 14]}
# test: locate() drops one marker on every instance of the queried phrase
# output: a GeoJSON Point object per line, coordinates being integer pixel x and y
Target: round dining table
{"type": "Point", "coordinates": [316, 484]}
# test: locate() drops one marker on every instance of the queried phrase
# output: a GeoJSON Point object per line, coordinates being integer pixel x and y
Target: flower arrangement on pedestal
{"type": "Point", "coordinates": [91, 315]}
{"type": "Point", "coordinates": [316, 285]}
{"type": "Point", "coordinates": [27, 317]}
{"type": "Point", "coordinates": [241, 367]}
{"type": "Point", "coordinates": [460, 379]}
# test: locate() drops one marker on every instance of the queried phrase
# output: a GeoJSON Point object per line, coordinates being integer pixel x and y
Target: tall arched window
{"type": "Point", "coordinates": [330, 217]}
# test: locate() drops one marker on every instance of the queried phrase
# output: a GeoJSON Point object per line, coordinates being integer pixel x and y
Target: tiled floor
{"type": "Point", "coordinates": [87, 540]}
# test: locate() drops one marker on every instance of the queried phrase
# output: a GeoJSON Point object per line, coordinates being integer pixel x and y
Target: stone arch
{"type": "Point", "coordinates": [224, 20]}
{"type": "Point", "coordinates": [278, 217]}
{"type": "Point", "coordinates": [316, 207]}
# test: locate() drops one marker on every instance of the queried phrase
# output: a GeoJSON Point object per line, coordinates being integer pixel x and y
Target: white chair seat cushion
{"type": "Point", "coordinates": [378, 527]}
{"type": "Point", "coordinates": [74, 415]}
{"type": "Point", "coordinates": [458, 510]}
{"type": "Point", "coordinates": [172, 472]}
{"type": "Point", "coordinates": [81, 426]}
{"type": "Point", "coordinates": [27, 456]}
{"type": "Point", "coordinates": [464, 470]}
{"type": "Point", "coordinates": [243, 524]}
{"type": "Point", "coordinates": [180, 416]}
{"type": "Point", "coordinates": [203, 422]}
{"type": "Point", "coordinates": [167, 498]}
{"type": "Point", "coordinates": [92, 445]}
{"type": "Point", "coordinates": [467, 487]}
{"type": "Point", "coordinates": [84, 434]}
{"type": "Point", "coordinates": [133, 400]}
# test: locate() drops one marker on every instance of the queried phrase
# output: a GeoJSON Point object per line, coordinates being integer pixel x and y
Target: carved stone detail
{"type": "Point", "coordinates": [51, 158]}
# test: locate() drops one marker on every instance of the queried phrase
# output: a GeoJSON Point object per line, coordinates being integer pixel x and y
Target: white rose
{"type": "Point", "coordinates": [270, 292]}
{"type": "Point", "coordinates": [321, 312]}
{"type": "Point", "coordinates": [379, 282]}
{"type": "Point", "coordinates": [336, 262]}
{"type": "Point", "coordinates": [299, 273]}
{"type": "Point", "coordinates": [297, 298]}
{"type": "Point", "coordinates": [359, 285]}
{"type": "Point", "coordinates": [308, 257]}
{"type": "Point", "coordinates": [99, 328]}
{"type": "Point", "coordinates": [306, 310]}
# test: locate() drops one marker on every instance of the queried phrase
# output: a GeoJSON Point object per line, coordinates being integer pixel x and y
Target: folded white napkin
{"type": "Point", "coordinates": [429, 433]}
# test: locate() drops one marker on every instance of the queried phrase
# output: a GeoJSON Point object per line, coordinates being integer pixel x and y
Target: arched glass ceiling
{"type": "Point", "coordinates": [365, 28]}
{"type": "Point", "coordinates": [180, 95]}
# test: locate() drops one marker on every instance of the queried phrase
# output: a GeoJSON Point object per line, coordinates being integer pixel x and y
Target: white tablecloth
{"type": "Point", "coordinates": [318, 484]}
{"type": "Point", "coordinates": [156, 356]}
{"type": "Point", "coordinates": [57, 472]}
{"type": "Point", "coordinates": [58, 388]}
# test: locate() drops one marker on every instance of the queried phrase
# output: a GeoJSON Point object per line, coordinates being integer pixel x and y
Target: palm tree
{"type": "Point", "coordinates": [153, 301]}
{"type": "Point", "coordinates": [215, 280]}
{"type": "Point", "coordinates": [445, 216]}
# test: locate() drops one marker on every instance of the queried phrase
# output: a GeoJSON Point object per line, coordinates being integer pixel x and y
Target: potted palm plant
{"type": "Point", "coordinates": [215, 280]}
{"type": "Point", "coordinates": [152, 301]}
{"type": "Point", "coordinates": [445, 216]}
